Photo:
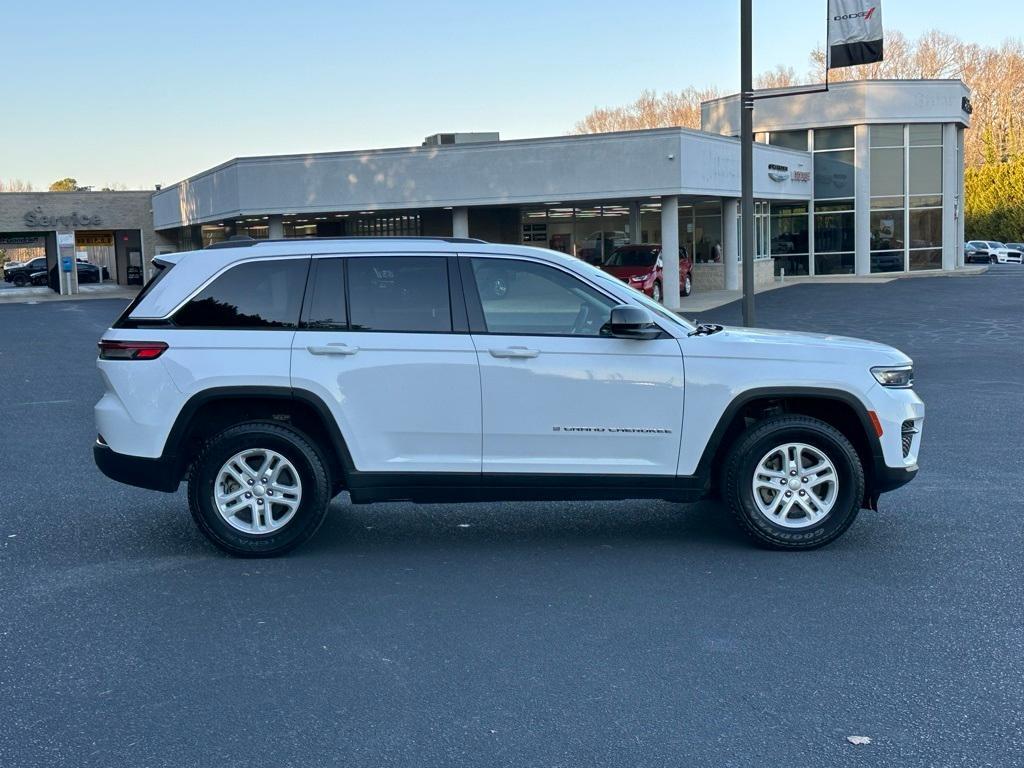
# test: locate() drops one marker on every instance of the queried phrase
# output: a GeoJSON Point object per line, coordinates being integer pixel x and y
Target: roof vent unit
{"type": "Point", "coordinates": [444, 139]}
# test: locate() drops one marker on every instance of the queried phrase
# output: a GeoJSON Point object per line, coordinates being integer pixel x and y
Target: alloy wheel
{"type": "Point", "coordinates": [795, 485]}
{"type": "Point", "coordinates": [257, 491]}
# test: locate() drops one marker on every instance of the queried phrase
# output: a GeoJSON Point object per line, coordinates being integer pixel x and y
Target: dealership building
{"type": "Point", "coordinates": [113, 230]}
{"type": "Point", "coordinates": [864, 178]}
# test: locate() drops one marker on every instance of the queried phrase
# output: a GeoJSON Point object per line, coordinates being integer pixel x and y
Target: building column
{"type": "Point", "coordinates": [635, 230]}
{"type": "Point", "coordinates": [730, 246]}
{"type": "Point", "coordinates": [959, 243]}
{"type": "Point", "coordinates": [670, 251]}
{"type": "Point", "coordinates": [276, 226]}
{"type": "Point", "coordinates": [460, 222]}
{"type": "Point", "coordinates": [862, 201]}
{"type": "Point", "coordinates": [950, 197]}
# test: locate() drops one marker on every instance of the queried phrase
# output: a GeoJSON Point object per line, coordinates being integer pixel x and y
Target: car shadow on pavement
{"type": "Point", "coordinates": [515, 525]}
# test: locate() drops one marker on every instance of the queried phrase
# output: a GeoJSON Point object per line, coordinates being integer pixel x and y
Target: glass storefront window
{"type": "Point", "coordinates": [833, 263]}
{"type": "Point", "coordinates": [925, 170]}
{"type": "Point", "coordinates": [926, 135]}
{"type": "Point", "coordinates": [925, 201]}
{"type": "Point", "coordinates": [926, 259]}
{"type": "Point", "coordinates": [833, 205]}
{"type": "Point", "coordinates": [887, 261]}
{"type": "Point", "coordinates": [210, 234]}
{"type": "Point", "coordinates": [886, 136]}
{"type": "Point", "coordinates": [833, 174]}
{"type": "Point", "coordinates": [887, 230]}
{"type": "Point", "coordinates": [887, 202]}
{"type": "Point", "coordinates": [886, 172]}
{"type": "Point", "coordinates": [926, 228]}
{"type": "Point", "coordinates": [790, 238]}
{"type": "Point", "coordinates": [707, 233]}
{"type": "Point", "coordinates": [789, 139]}
{"type": "Point", "coordinates": [833, 138]}
{"type": "Point", "coordinates": [833, 232]}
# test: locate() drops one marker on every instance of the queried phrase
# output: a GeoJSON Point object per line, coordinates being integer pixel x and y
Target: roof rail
{"type": "Point", "coordinates": [241, 241]}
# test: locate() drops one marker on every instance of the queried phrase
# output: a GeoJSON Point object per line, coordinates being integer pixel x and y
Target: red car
{"type": "Point", "coordinates": [640, 266]}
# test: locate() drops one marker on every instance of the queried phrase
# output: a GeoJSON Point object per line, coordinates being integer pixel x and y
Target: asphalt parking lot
{"type": "Point", "coordinates": [584, 634]}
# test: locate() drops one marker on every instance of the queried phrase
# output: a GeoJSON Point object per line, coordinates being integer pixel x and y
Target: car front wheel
{"type": "Point", "coordinates": [656, 292]}
{"type": "Point", "coordinates": [793, 482]}
{"type": "Point", "coordinates": [20, 280]}
{"type": "Point", "coordinates": [259, 489]}
{"type": "Point", "coordinates": [687, 285]}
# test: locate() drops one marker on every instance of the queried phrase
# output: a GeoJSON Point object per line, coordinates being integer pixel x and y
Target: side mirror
{"type": "Point", "coordinates": [631, 322]}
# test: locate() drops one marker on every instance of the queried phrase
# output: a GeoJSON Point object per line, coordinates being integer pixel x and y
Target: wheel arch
{"type": "Point", "coordinates": [213, 410]}
{"type": "Point", "coordinates": [839, 408]}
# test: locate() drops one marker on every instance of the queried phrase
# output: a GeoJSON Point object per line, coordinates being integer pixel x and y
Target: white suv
{"type": "Point", "coordinates": [274, 375]}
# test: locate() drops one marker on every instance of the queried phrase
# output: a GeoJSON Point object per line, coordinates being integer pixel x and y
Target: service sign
{"type": "Point", "coordinates": [854, 32]}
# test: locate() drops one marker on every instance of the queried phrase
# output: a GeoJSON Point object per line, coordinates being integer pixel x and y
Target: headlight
{"type": "Point", "coordinates": [639, 278]}
{"type": "Point", "coordinates": [897, 377]}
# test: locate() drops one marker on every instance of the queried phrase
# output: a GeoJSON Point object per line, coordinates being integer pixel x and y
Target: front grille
{"type": "Point", "coordinates": [908, 433]}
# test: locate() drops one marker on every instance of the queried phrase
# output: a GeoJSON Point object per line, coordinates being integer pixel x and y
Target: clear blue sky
{"type": "Point", "coordinates": [150, 92]}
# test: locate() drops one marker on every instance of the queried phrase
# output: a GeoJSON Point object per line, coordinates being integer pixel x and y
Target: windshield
{"type": "Point", "coordinates": [994, 244]}
{"type": "Point", "coordinates": [632, 257]}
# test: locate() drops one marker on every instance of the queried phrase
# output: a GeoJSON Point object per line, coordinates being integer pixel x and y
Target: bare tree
{"type": "Point", "coordinates": [651, 110]}
{"type": "Point", "coordinates": [15, 185]}
{"type": "Point", "coordinates": [780, 77]}
{"type": "Point", "coordinates": [995, 76]}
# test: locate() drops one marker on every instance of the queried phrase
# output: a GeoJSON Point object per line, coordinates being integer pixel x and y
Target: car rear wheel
{"type": "Point", "coordinates": [793, 482]}
{"type": "Point", "coordinates": [259, 489]}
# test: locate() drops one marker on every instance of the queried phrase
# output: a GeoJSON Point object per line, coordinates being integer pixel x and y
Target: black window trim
{"type": "Point", "coordinates": [477, 322]}
{"type": "Point", "coordinates": [307, 296]}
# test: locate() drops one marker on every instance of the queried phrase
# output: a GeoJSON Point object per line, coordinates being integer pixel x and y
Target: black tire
{"type": "Point", "coordinates": [19, 280]}
{"type": "Point", "coordinates": [656, 292]}
{"type": "Point", "coordinates": [298, 449]}
{"type": "Point", "coordinates": [687, 287]}
{"type": "Point", "coordinates": [741, 464]}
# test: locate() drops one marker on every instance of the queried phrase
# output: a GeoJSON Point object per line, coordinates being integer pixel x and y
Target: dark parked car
{"type": "Point", "coordinates": [87, 273]}
{"type": "Point", "coordinates": [21, 274]}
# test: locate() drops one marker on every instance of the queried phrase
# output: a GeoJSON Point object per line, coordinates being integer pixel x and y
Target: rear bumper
{"type": "Point", "coordinates": [152, 474]}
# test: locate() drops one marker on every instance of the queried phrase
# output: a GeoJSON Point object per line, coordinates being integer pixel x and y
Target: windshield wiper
{"type": "Point", "coordinates": [705, 329]}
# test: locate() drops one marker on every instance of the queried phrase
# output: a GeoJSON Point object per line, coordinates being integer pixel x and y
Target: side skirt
{"type": "Point", "coordinates": [369, 487]}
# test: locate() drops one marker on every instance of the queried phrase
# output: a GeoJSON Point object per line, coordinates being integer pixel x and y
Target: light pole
{"type": "Point", "coordinates": [747, 160]}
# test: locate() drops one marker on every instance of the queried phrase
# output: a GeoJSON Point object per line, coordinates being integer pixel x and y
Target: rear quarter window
{"type": "Point", "coordinates": [252, 295]}
{"type": "Point", "coordinates": [125, 321]}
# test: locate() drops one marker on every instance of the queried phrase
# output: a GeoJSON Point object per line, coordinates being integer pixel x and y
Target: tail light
{"type": "Point", "coordinates": [131, 350]}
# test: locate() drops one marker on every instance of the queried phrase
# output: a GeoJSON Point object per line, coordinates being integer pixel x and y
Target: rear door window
{"type": "Point", "coordinates": [399, 294]}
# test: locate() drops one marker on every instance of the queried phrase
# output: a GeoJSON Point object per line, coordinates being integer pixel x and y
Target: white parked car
{"type": "Point", "coordinates": [1015, 249]}
{"type": "Point", "coordinates": [1003, 254]}
{"type": "Point", "coordinates": [274, 375]}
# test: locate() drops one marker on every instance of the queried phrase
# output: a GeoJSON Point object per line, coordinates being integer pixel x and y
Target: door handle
{"type": "Point", "coordinates": [517, 352]}
{"type": "Point", "coordinates": [333, 349]}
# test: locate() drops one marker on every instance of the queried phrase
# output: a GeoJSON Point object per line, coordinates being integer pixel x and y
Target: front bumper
{"type": "Point", "coordinates": [153, 474]}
